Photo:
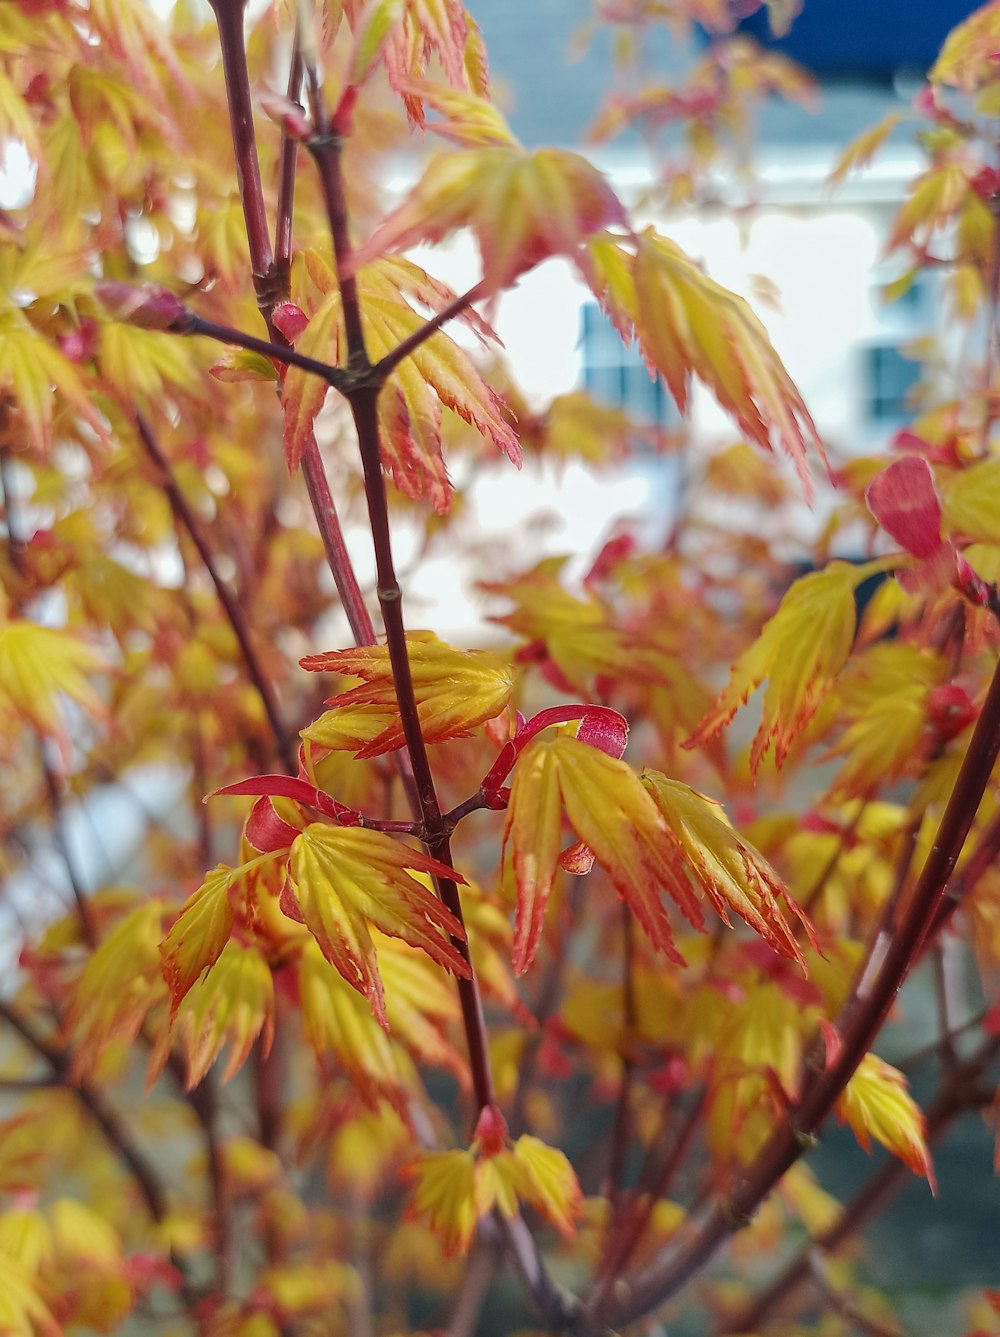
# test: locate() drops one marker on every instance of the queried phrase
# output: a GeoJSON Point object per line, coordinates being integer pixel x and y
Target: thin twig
{"type": "Point", "coordinates": [234, 611]}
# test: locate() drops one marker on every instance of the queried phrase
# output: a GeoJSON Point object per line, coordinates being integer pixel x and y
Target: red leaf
{"type": "Point", "coordinates": [904, 501]}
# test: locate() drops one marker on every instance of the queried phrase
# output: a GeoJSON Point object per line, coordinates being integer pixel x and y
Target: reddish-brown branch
{"type": "Point", "coordinates": [271, 285]}
{"type": "Point", "coordinates": [385, 366]}
{"type": "Point", "coordinates": [231, 606]}
{"type": "Point", "coordinates": [958, 1092]}
{"type": "Point", "coordinates": [326, 151]}
{"type": "Point", "coordinates": [705, 1232]}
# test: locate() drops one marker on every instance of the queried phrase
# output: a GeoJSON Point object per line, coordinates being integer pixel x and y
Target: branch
{"type": "Point", "coordinates": [386, 365]}
{"type": "Point", "coordinates": [953, 1097]}
{"type": "Point", "coordinates": [230, 604]}
{"type": "Point", "coordinates": [697, 1243]}
{"type": "Point", "coordinates": [271, 285]}
{"type": "Point", "coordinates": [326, 151]}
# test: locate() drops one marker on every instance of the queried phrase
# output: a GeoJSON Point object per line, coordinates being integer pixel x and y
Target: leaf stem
{"type": "Point", "coordinates": [284, 353]}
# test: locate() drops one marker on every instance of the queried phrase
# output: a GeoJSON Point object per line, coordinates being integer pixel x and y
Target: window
{"type": "Point", "coordinates": [616, 375]}
{"type": "Point", "coordinates": [888, 379]}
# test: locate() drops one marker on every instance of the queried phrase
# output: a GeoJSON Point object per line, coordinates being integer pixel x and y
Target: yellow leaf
{"type": "Point", "coordinates": [120, 983]}
{"type": "Point", "coordinates": [346, 881]}
{"type": "Point", "coordinates": [338, 1021]}
{"type": "Point", "coordinates": [616, 819]}
{"type": "Point", "coordinates": [523, 207]}
{"type": "Point", "coordinates": [730, 872]}
{"type": "Point", "coordinates": [37, 665]}
{"type": "Point", "coordinates": [860, 151]}
{"type": "Point", "coordinates": [31, 369]}
{"type": "Point", "coordinates": [688, 324]}
{"type": "Point", "coordinates": [233, 1003]}
{"type": "Point", "coordinates": [199, 933]}
{"type": "Point", "coordinates": [552, 1185]}
{"type": "Point", "coordinates": [936, 197]}
{"type": "Point", "coordinates": [371, 32]}
{"type": "Point", "coordinates": [800, 651]}
{"type": "Point", "coordinates": [444, 1196]}
{"type": "Point", "coordinates": [970, 502]}
{"type": "Point", "coordinates": [967, 57]}
{"type": "Point", "coordinates": [877, 1105]}
{"type": "Point", "coordinates": [455, 690]}
{"type": "Point", "coordinates": [26, 1239]}
{"type": "Point", "coordinates": [23, 1312]}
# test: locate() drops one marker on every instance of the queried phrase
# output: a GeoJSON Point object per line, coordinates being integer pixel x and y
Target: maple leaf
{"type": "Point", "coordinates": [966, 60]}
{"type": "Point", "coordinates": [730, 872]}
{"type": "Point", "coordinates": [455, 1189]}
{"type": "Point", "coordinates": [199, 933]}
{"type": "Point", "coordinates": [341, 883]}
{"type": "Point", "coordinates": [550, 1183]}
{"type": "Point", "coordinates": [438, 374]}
{"type": "Point", "coordinates": [688, 324]}
{"type": "Point", "coordinates": [232, 1003]}
{"type": "Point", "coordinates": [614, 816]}
{"type": "Point", "coordinates": [120, 983]}
{"type": "Point", "coordinates": [23, 1312]}
{"type": "Point", "coordinates": [454, 689]}
{"type": "Point", "coordinates": [877, 1104]}
{"type": "Point", "coordinates": [523, 208]}
{"type": "Point", "coordinates": [444, 1196]}
{"type": "Point", "coordinates": [800, 651]}
{"type": "Point", "coordinates": [860, 151]}
{"type": "Point", "coordinates": [337, 1020]}
{"type": "Point", "coordinates": [40, 664]}
{"type": "Point", "coordinates": [31, 369]}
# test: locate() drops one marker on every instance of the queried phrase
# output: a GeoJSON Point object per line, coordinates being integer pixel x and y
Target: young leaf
{"type": "Point", "coordinates": [455, 690]}
{"type": "Point", "coordinates": [444, 1195]}
{"type": "Point", "coordinates": [877, 1105]}
{"type": "Point", "coordinates": [552, 1186]}
{"type": "Point", "coordinates": [616, 819]}
{"type": "Point", "coordinates": [523, 207]}
{"type": "Point", "coordinates": [232, 1004]}
{"type": "Point", "coordinates": [800, 651]}
{"type": "Point", "coordinates": [120, 983]}
{"type": "Point", "coordinates": [688, 324]}
{"type": "Point", "coordinates": [37, 665]}
{"type": "Point", "coordinates": [731, 873]}
{"type": "Point", "coordinates": [199, 933]}
{"type": "Point", "coordinates": [303, 394]}
{"type": "Point", "coordinates": [344, 882]}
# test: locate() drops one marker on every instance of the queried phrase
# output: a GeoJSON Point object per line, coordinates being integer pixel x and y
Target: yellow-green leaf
{"type": "Point", "coordinates": [731, 873]}
{"type": "Point", "coordinates": [455, 690]}
{"type": "Point", "coordinates": [523, 207]}
{"type": "Point", "coordinates": [199, 933]}
{"type": "Point", "coordinates": [346, 881]}
{"type": "Point", "coordinates": [232, 1004]}
{"type": "Point", "coordinates": [877, 1105]}
{"type": "Point", "coordinates": [800, 651]}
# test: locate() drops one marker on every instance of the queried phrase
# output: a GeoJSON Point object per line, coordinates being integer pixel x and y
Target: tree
{"type": "Point", "coordinates": [433, 987]}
